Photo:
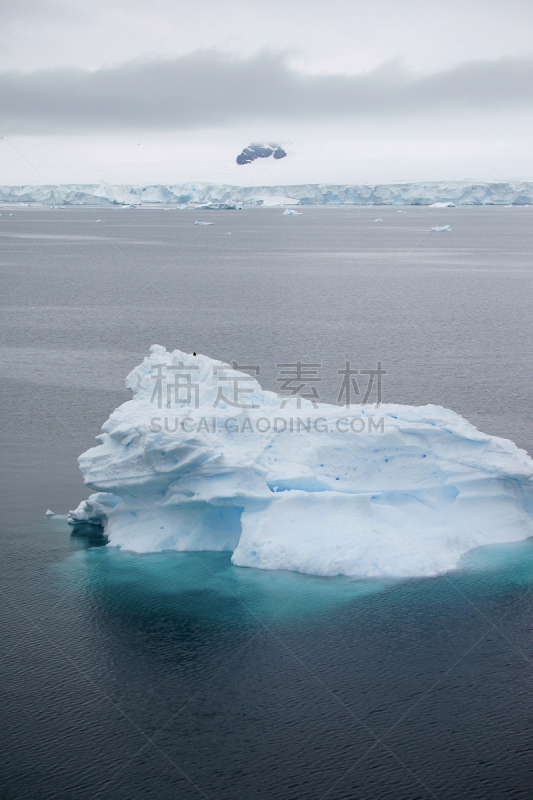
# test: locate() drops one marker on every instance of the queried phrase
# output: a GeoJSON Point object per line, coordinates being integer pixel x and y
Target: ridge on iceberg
{"type": "Point", "coordinates": [319, 489]}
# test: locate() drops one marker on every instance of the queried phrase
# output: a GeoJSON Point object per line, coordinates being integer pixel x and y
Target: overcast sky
{"type": "Point", "coordinates": [169, 91]}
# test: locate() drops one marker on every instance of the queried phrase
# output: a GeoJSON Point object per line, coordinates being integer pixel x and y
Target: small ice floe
{"type": "Point", "coordinates": [291, 212]}
{"type": "Point", "coordinates": [443, 228]}
{"type": "Point", "coordinates": [402, 212]}
{"type": "Point", "coordinates": [99, 220]}
{"type": "Point", "coordinates": [203, 223]}
{"type": "Point", "coordinates": [378, 220]}
{"type": "Point", "coordinates": [51, 514]}
{"type": "Point", "coordinates": [442, 205]}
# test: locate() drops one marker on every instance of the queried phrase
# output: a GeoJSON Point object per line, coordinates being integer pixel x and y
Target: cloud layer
{"type": "Point", "coordinates": [209, 89]}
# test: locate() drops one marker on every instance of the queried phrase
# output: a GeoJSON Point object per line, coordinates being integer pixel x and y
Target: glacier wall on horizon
{"type": "Point", "coordinates": [228, 196]}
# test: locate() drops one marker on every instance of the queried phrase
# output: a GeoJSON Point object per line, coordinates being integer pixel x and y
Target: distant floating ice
{"type": "Point", "coordinates": [378, 220]}
{"type": "Point", "coordinates": [442, 205]}
{"type": "Point", "coordinates": [291, 212]}
{"type": "Point", "coordinates": [49, 513]}
{"type": "Point", "coordinates": [203, 223]}
{"type": "Point", "coordinates": [443, 228]}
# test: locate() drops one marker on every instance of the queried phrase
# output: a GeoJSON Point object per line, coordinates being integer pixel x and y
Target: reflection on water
{"type": "Point", "coordinates": [204, 583]}
{"type": "Point", "coordinates": [208, 585]}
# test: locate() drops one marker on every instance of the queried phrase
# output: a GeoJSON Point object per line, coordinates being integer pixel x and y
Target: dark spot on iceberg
{"type": "Point", "coordinates": [254, 151]}
{"type": "Point", "coordinates": [89, 535]}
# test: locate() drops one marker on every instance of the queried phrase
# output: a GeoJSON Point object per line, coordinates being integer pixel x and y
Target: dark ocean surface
{"type": "Point", "coordinates": [177, 675]}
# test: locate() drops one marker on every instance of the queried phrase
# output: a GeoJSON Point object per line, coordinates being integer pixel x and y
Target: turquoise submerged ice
{"type": "Point", "coordinates": [365, 491]}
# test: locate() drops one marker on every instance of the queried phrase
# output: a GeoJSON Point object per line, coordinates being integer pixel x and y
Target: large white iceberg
{"type": "Point", "coordinates": [202, 458]}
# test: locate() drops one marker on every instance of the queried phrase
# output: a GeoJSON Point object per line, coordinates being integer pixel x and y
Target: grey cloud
{"type": "Point", "coordinates": [207, 88]}
{"type": "Point", "coordinates": [35, 12]}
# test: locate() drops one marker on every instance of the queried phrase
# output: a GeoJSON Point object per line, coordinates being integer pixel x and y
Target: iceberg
{"type": "Point", "coordinates": [443, 228]}
{"type": "Point", "coordinates": [202, 458]}
{"type": "Point", "coordinates": [291, 212]}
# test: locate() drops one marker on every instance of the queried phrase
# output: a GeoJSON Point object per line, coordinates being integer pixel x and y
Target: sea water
{"type": "Point", "coordinates": [177, 674]}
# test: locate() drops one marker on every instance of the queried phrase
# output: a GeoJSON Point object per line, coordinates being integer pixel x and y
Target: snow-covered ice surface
{"type": "Point", "coordinates": [221, 196]}
{"type": "Point", "coordinates": [366, 491]}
